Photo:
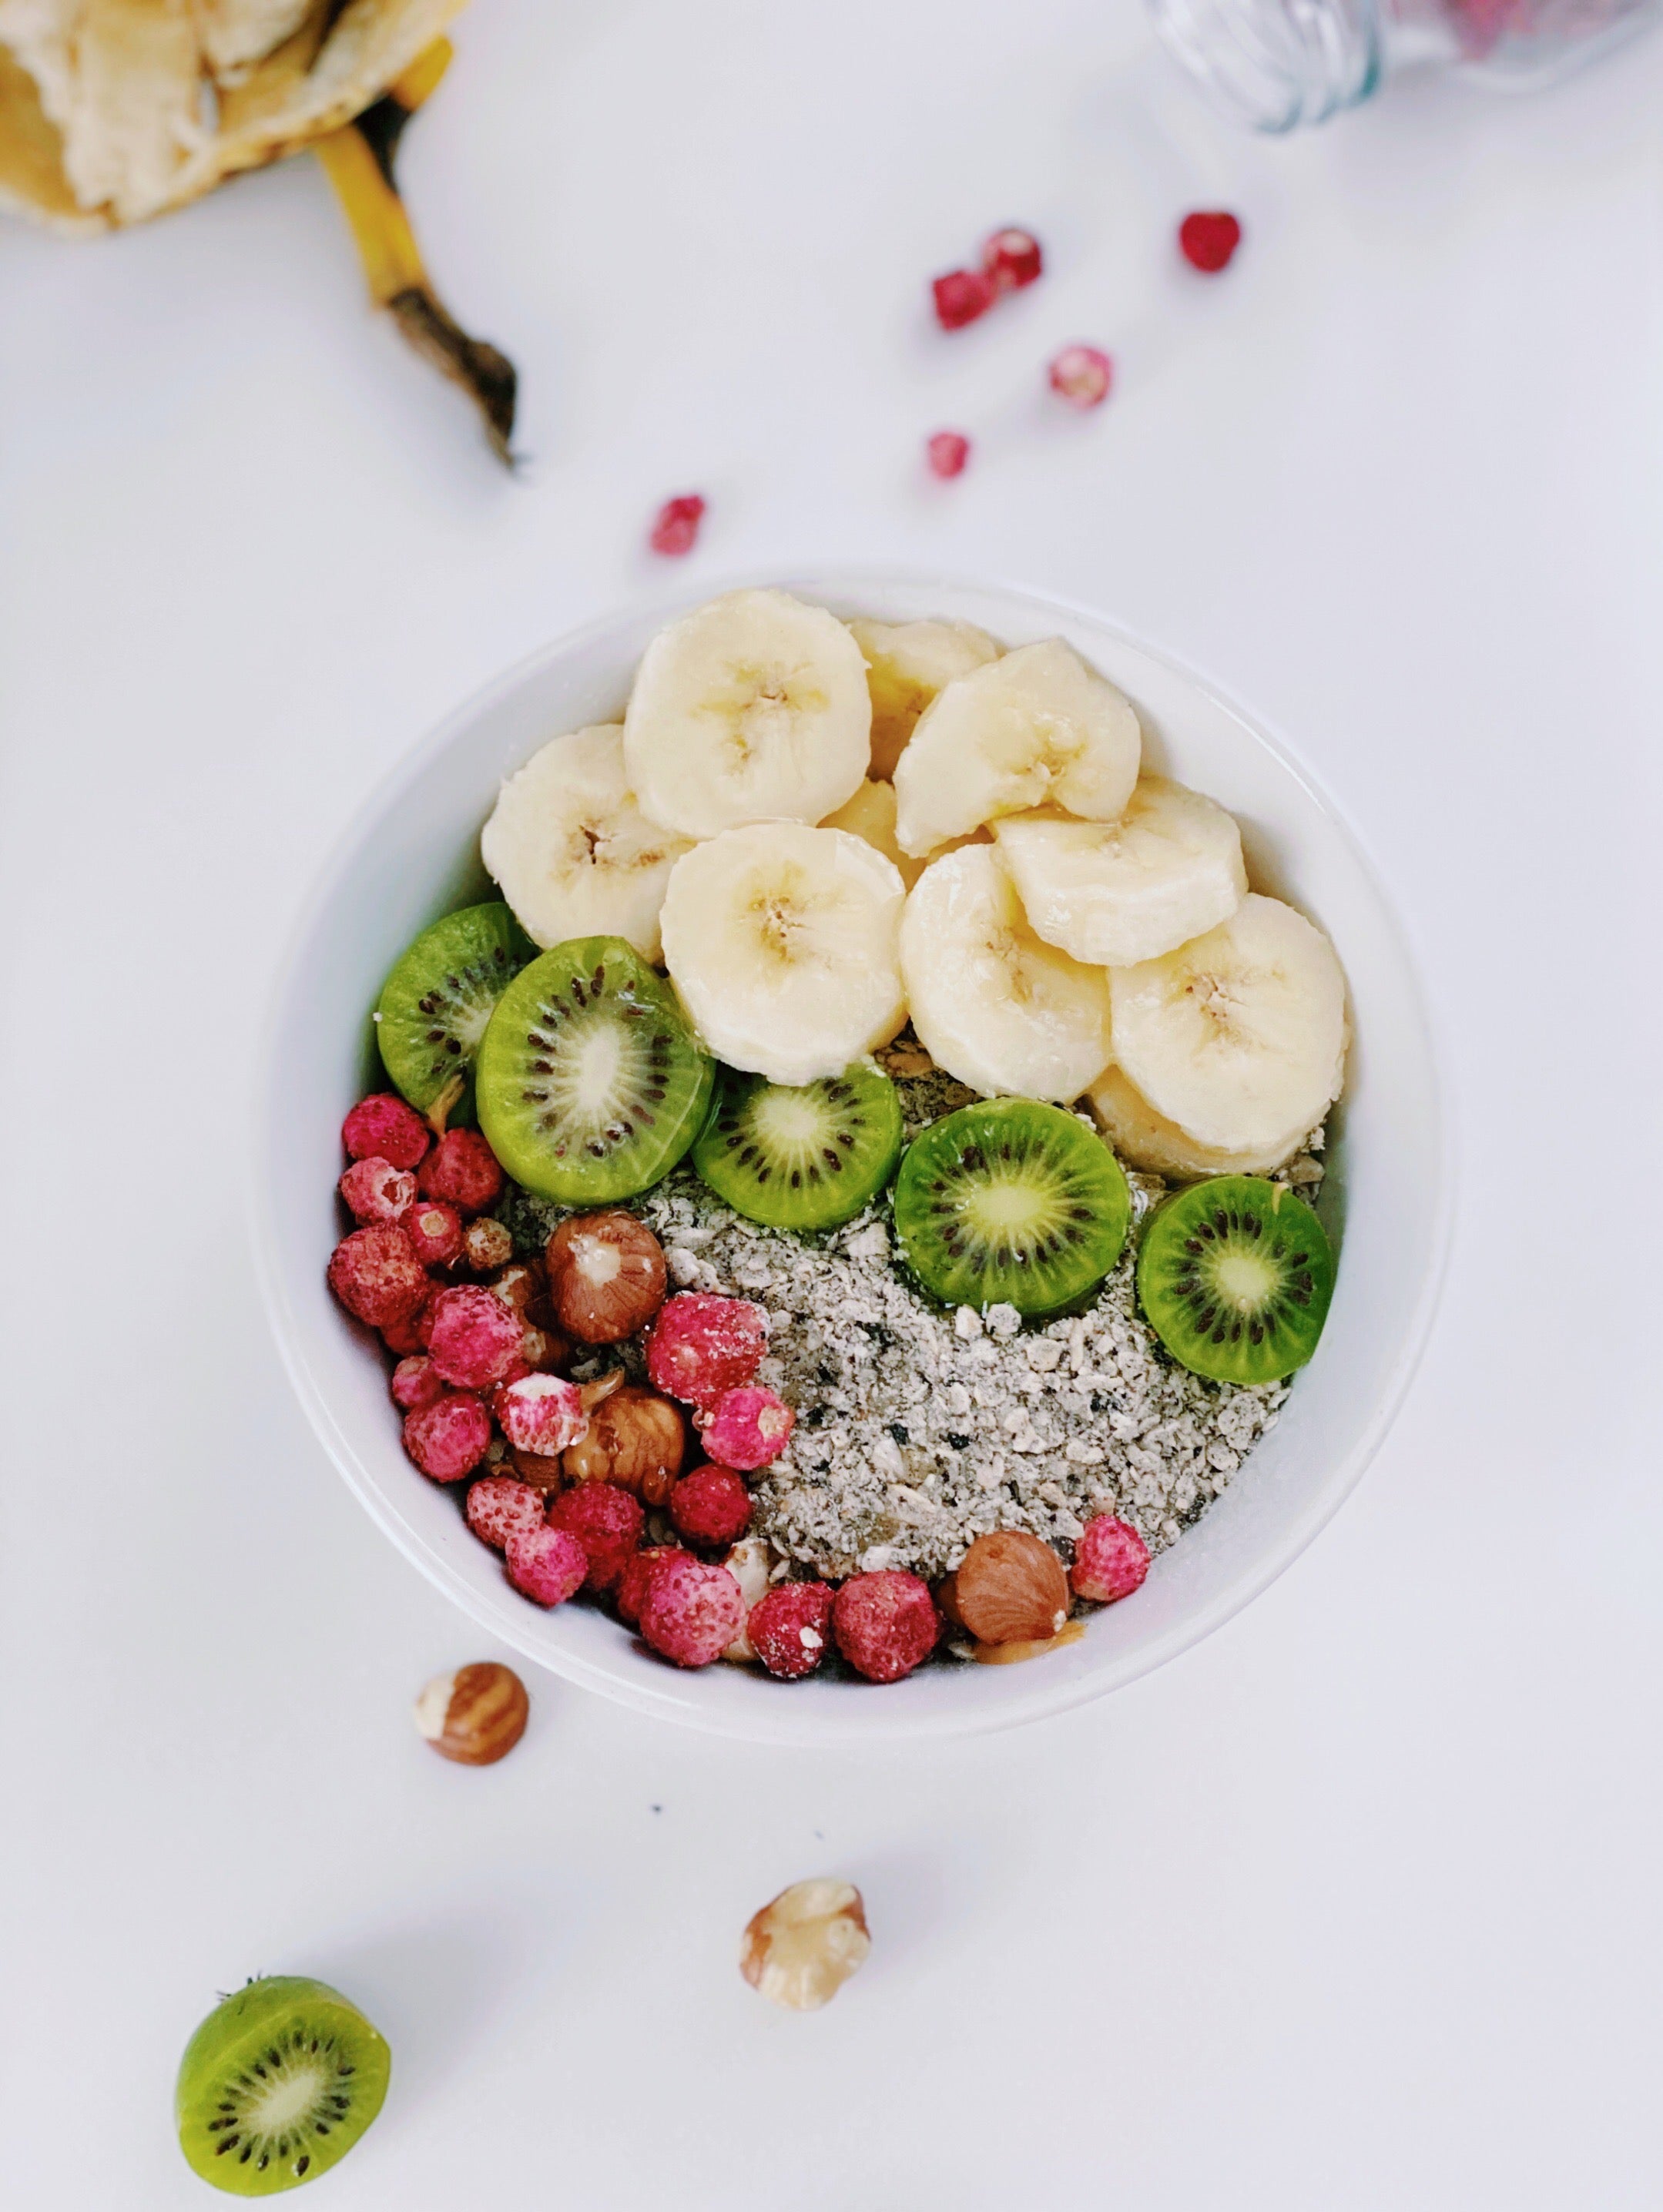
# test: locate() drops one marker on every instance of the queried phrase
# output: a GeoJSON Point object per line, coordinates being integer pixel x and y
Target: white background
{"type": "Point", "coordinates": [1355, 1906]}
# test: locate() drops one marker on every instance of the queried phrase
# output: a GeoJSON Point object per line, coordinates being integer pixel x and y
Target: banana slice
{"type": "Point", "coordinates": [781, 941]}
{"type": "Point", "coordinates": [871, 814]}
{"type": "Point", "coordinates": [1239, 1037]}
{"type": "Point", "coordinates": [1113, 893]}
{"type": "Point", "coordinates": [1036, 728]}
{"type": "Point", "coordinates": [991, 1004]}
{"type": "Point", "coordinates": [573, 852]}
{"type": "Point", "coordinates": [1146, 1139]}
{"type": "Point", "coordinates": [753, 708]}
{"type": "Point", "coordinates": [907, 664]}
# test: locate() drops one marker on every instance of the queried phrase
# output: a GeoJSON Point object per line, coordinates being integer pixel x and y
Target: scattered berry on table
{"type": "Point", "coordinates": [541, 1414]}
{"type": "Point", "coordinates": [947, 452]}
{"type": "Point", "coordinates": [675, 526]}
{"type": "Point", "coordinates": [487, 1245]}
{"type": "Point", "coordinates": [711, 1506]}
{"type": "Point", "coordinates": [475, 1339]}
{"type": "Point", "coordinates": [498, 1507]}
{"type": "Point", "coordinates": [384, 1128]}
{"type": "Point", "coordinates": [436, 1230]}
{"type": "Point", "coordinates": [416, 1382]}
{"type": "Point", "coordinates": [885, 1623]}
{"type": "Point", "coordinates": [748, 1427]}
{"type": "Point", "coordinates": [461, 1169]}
{"type": "Point", "coordinates": [961, 296]}
{"type": "Point", "coordinates": [791, 1628]}
{"type": "Point", "coordinates": [448, 1438]}
{"type": "Point", "coordinates": [606, 1522]}
{"type": "Point", "coordinates": [1207, 239]}
{"type": "Point", "coordinates": [1082, 374]}
{"type": "Point", "coordinates": [701, 1344]}
{"type": "Point", "coordinates": [374, 1190]}
{"type": "Point", "coordinates": [1012, 257]}
{"type": "Point", "coordinates": [605, 1275]}
{"type": "Point", "coordinates": [690, 1612]}
{"type": "Point", "coordinates": [632, 1583]}
{"type": "Point", "coordinates": [545, 1564]}
{"type": "Point", "coordinates": [1109, 1560]}
{"type": "Point", "coordinates": [375, 1274]}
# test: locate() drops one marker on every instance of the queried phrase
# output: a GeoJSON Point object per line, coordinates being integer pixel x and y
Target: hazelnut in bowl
{"type": "Point", "coordinates": [955, 1178]}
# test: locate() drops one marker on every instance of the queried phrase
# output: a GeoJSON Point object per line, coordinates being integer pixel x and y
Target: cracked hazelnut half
{"type": "Point", "coordinates": [606, 1276]}
{"type": "Point", "coordinates": [800, 1950]}
{"type": "Point", "coordinates": [637, 1439]}
{"type": "Point", "coordinates": [1008, 1588]}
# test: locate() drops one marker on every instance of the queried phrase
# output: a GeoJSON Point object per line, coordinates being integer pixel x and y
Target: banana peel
{"type": "Point", "coordinates": [113, 111]}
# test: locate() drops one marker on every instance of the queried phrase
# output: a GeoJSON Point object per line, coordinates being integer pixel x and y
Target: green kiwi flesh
{"type": "Point", "coordinates": [801, 1157]}
{"type": "Point", "coordinates": [277, 2085]}
{"type": "Point", "coordinates": [590, 1086]}
{"type": "Point", "coordinates": [1011, 1202]}
{"type": "Point", "coordinates": [1235, 1277]}
{"type": "Point", "coordinates": [441, 993]}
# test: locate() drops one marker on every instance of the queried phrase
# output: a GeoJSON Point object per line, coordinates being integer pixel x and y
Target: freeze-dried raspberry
{"type": "Point", "coordinates": [461, 1171]}
{"type": "Point", "coordinates": [409, 1334]}
{"type": "Point", "coordinates": [545, 1564]}
{"type": "Point", "coordinates": [475, 1339]}
{"type": "Point", "coordinates": [632, 1583]}
{"type": "Point", "coordinates": [447, 1439]}
{"type": "Point", "coordinates": [384, 1128]}
{"type": "Point", "coordinates": [1082, 374]}
{"type": "Point", "coordinates": [710, 1505]}
{"type": "Point", "coordinates": [541, 1414]}
{"type": "Point", "coordinates": [487, 1245]}
{"type": "Point", "coordinates": [1207, 239]}
{"type": "Point", "coordinates": [885, 1623]}
{"type": "Point", "coordinates": [436, 1229]}
{"type": "Point", "coordinates": [702, 1346]}
{"type": "Point", "coordinates": [416, 1382]}
{"type": "Point", "coordinates": [791, 1628]}
{"type": "Point", "coordinates": [1012, 257]}
{"type": "Point", "coordinates": [498, 1507]}
{"type": "Point", "coordinates": [947, 452]}
{"type": "Point", "coordinates": [675, 526]}
{"type": "Point", "coordinates": [690, 1612]}
{"type": "Point", "coordinates": [606, 1522]}
{"type": "Point", "coordinates": [377, 1276]}
{"type": "Point", "coordinates": [1109, 1560]}
{"type": "Point", "coordinates": [961, 295]}
{"type": "Point", "coordinates": [374, 1190]}
{"type": "Point", "coordinates": [748, 1427]}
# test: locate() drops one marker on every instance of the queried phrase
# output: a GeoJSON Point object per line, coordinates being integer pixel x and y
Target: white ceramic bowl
{"type": "Point", "coordinates": [412, 855]}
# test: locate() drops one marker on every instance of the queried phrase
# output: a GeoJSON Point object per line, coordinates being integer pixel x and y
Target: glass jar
{"type": "Point", "coordinates": [1279, 64]}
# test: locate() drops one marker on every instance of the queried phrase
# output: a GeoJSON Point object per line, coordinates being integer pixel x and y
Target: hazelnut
{"type": "Point", "coordinates": [475, 1716]}
{"type": "Point", "coordinates": [486, 1245]}
{"type": "Point", "coordinates": [748, 1563]}
{"type": "Point", "coordinates": [637, 1439]}
{"type": "Point", "coordinates": [517, 1284]}
{"type": "Point", "coordinates": [606, 1276]}
{"type": "Point", "coordinates": [1008, 1589]}
{"type": "Point", "coordinates": [545, 1354]}
{"type": "Point", "coordinates": [800, 1950]}
{"type": "Point", "coordinates": [543, 1470]}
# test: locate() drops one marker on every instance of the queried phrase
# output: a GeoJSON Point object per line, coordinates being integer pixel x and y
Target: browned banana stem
{"type": "Point", "coordinates": [358, 161]}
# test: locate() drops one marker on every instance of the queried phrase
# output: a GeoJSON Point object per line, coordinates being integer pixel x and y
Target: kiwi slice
{"type": "Point", "coordinates": [590, 1085]}
{"type": "Point", "coordinates": [801, 1157]}
{"type": "Point", "coordinates": [1011, 1202]}
{"type": "Point", "coordinates": [1235, 1277]}
{"type": "Point", "coordinates": [436, 1004]}
{"type": "Point", "coordinates": [277, 2085]}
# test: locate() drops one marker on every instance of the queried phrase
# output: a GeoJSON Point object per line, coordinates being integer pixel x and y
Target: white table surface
{"type": "Point", "coordinates": [1355, 1908]}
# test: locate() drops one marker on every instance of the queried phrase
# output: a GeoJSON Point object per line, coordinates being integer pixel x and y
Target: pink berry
{"type": "Point", "coordinates": [702, 1346]}
{"type": "Point", "coordinates": [545, 1564]}
{"type": "Point", "coordinates": [461, 1171]}
{"type": "Point", "coordinates": [748, 1427]}
{"type": "Point", "coordinates": [377, 1276]}
{"type": "Point", "coordinates": [710, 1505]}
{"type": "Point", "coordinates": [790, 1628]}
{"type": "Point", "coordinates": [384, 1128]}
{"type": "Point", "coordinates": [690, 1612]}
{"type": "Point", "coordinates": [885, 1623]}
{"type": "Point", "coordinates": [436, 1230]}
{"type": "Point", "coordinates": [403, 1338]}
{"type": "Point", "coordinates": [1109, 1560]}
{"type": "Point", "coordinates": [416, 1382]}
{"type": "Point", "coordinates": [447, 1439]}
{"type": "Point", "coordinates": [1012, 257]}
{"type": "Point", "coordinates": [475, 1339]}
{"type": "Point", "coordinates": [498, 1507]}
{"type": "Point", "coordinates": [632, 1583]}
{"type": "Point", "coordinates": [675, 527]}
{"type": "Point", "coordinates": [1207, 239]}
{"type": "Point", "coordinates": [607, 1522]}
{"type": "Point", "coordinates": [1082, 374]}
{"type": "Point", "coordinates": [948, 450]}
{"type": "Point", "coordinates": [541, 1414]}
{"type": "Point", "coordinates": [375, 1190]}
{"type": "Point", "coordinates": [961, 295]}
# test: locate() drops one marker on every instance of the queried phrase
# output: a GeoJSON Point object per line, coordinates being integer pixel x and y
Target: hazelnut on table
{"type": "Point", "coordinates": [800, 1950]}
{"type": "Point", "coordinates": [475, 1716]}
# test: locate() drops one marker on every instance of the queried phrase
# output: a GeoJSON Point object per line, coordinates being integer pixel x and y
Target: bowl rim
{"type": "Point", "coordinates": [677, 1698]}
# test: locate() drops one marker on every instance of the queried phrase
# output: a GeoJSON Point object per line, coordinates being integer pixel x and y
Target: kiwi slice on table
{"type": "Point", "coordinates": [590, 1085]}
{"type": "Point", "coordinates": [436, 1004]}
{"type": "Point", "coordinates": [800, 1156]}
{"type": "Point", "coordinates": [1235, 1277]}
{"type": "Point", "coordinates": [1011, 1202]}
{"type": "Point", "coordinates": [277, 2085]}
